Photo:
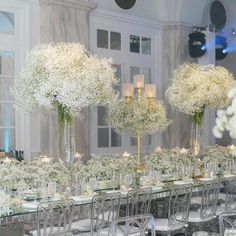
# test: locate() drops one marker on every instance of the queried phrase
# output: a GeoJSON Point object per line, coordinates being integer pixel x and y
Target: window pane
{"type": "Point", "coordinates": [115, 139]}
{"type": "Point", "coordinates": [134, 71]}
{"type": "Point", "coordinates": [102, 38]}
{"type": "Point", "coordinates": [115, 41]}
{"type": "Point", "coordinates": [7, 63]}
{"type": "Point", "coordinates": [7, 22]}
{"type": "Point", "coordinates": [7, 115]}
{"type": "Point", "coordinates": [147, 75]}
{"type": "Point", "coordinates": [7, 139]}
{"type": "Point", "coordinates": [103, 137]}
{"type": "Point", "coordinates": [6, 85]}
{"type": "Point", "coordinates": [133, 141]}
{"type": "Point", "coordinates": [101, 116]}
{"type": "Point", "coordinates": [134, 44]}
{"type": "Point", "coordinates": [146, 46]}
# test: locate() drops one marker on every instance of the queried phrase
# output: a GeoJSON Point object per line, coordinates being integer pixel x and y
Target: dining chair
{"type": "Point", "coordinates": [54, 218]}
{"type": "Point", "coordinates": [178, 211]}
{"type": "Point", "coordinates": [229, 197]}
{"type": "Point", "coordinates": [139, 225]}
{"type": "Point", "coordinates": [209, 192]}
{"type": "Point", "coordinates": [105, 209]}
{"type": "Point", "coordinates": [138, 201]}
{"type": "Point", "coordinates": [227, 224]}
{"type": "Point", "coordinates": [12, 229]}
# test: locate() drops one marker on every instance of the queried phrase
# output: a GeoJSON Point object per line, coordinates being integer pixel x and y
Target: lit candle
{"type": "Point", "coordinates": [150, 91]}
{"type": "Point", "coordinates": [77, 155]}
{"type": "Point", "coordinates": [139, 81]}
{"type": "Point", "coordinates": [45, 159]}
{"type": "Point", "coordinates": [128, 90]}
{"type": "Point", "coordinates": [7, 160]}
{"type": "Point", "coordinates": [183, 151]}
{"type": "Point", "coordinates": [158, 149]}
{"type": "Point", "coordinates": [126, 154]}
{"type": "Point", "coordinates": [232, 147]}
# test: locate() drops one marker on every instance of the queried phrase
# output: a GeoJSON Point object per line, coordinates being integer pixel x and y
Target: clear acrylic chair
{"type": "Point", "coordinates": [105, 209]}
{"type": "Point", "coordinates": [178, 211]}
{"type": "Point", "coordinates": [229, 197]}
{"type": "Point", "coordinates": [227, 223]}
{"type": "Point", "coordinates": [209, 197]}
{"type": "Point", "coordinates": [139, 225]}
{"type": "Point", "coordinates": [12, 229]}
{"type": "Point", "coordinates": [54, 218]}
{"type": "Point", "coordinates": [138, 201]}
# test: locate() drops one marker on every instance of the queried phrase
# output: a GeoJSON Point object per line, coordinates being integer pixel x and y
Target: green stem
{"type": "Point", "coordinates": [63, 115]}
{"type": "Point", "coordinates": [197, 117]}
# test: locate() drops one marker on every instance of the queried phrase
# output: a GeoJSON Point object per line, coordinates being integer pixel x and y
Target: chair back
{"type": "Point", "coordinates": [134, 225]}
{"type": "Point", "coordinates": [227, 223]}
{"type": "Point", "coordinates": [105, 209]}
{"type": "Point", "coordinates": [230, 195]}
{"type": "Point", "coordinates": [12, 229]}
{"type": "Point", "coordinates": [209, 198]}
{"type": "Point", "coordinates": [138, 201]}
{"type": "Point", "coordinates": [180, 197]}
{"type": "Point", "coordinates": [54, 217]}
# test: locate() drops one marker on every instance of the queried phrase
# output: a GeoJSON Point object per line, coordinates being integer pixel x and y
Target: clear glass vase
{"type": "Point", "coordinates": [197, 141]}
{"type": "Point", "coordinates": [66, 149]}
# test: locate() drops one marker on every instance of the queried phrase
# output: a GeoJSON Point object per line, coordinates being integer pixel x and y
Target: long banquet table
{"type": "Point", "coordinates": [22, 213]}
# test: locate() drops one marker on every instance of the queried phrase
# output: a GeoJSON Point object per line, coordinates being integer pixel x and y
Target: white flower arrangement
{"type": "Point", "coordinates": [64, 76]}
{"type": "Point", "coordinates": [218, 155]}
{"type": "Point", "coordinates": [168, 161]}
{"type": "Point", "coordinates": [226, 119]}
{"type": "Point", "coordinates": [195, 87]}
{"type": "Point", "coordinates": [138, 116]}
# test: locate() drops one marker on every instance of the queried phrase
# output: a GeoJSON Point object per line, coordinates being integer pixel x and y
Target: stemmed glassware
{"type": "Point", "coordinates": [52, 189]}
{"type": "Point", "coordinates": [93, 184]}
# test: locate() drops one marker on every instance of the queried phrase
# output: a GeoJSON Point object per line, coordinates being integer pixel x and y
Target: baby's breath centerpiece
{"type": "Point", "coordinates": [139, 113]}
{"type": "Point", "coordinates": [64, 78]}
{"type": "Point", "coordinates": [197, 87]}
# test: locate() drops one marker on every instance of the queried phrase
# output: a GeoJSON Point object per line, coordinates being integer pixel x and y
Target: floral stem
{"type": "Point", "coordinates": [197, 117]}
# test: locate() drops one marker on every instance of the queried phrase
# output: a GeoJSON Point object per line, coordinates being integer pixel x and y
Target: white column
{"type": "Point", "coordinates": [209, 115]}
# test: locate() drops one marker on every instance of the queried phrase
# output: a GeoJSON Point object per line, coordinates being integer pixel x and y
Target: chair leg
{"type": "Point", "coordinates": [185, 231]}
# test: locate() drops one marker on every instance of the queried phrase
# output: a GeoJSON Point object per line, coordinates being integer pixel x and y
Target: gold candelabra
{"type": "Point", "coordinates": [139, 91]}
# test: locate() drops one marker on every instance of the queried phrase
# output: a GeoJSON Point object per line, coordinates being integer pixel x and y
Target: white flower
{"type": "Point", "coordinates": [65, 75]}
{"type": "Point", "coordinates": [217, 133]}
{"type": "Point", "coordinates": [195, 87]}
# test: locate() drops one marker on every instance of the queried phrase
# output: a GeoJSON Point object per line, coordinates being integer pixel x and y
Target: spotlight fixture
{"type": "Point", "coordinates": [221, 47]}
{"type": "Point", "coordinates": [197, 44]}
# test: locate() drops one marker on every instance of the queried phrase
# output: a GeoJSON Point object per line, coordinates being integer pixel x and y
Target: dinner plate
{"type": "Point", "coordinates": [156, 188]}
{"type": "Point", "coordinates": [30, 205]}
{"type": "Point", "coordinates": [82, 198]}
{"type": "Point", "coordinates": [182, 182]}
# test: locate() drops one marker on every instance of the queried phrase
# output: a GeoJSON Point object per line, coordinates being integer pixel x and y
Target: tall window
{"type": "Point", "coordinates": [132, 54]}
{"type": "Point", "coordinates": [7, 76]}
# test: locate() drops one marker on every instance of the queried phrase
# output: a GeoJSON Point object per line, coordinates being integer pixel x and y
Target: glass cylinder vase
{"type": "Point", "coordinates": [197, 141]}
{"type": "Point", "coordinates": [66, 149]}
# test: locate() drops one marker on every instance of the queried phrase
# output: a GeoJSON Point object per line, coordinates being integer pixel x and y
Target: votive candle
{"type": "Point", "coordinates": [139, 81]}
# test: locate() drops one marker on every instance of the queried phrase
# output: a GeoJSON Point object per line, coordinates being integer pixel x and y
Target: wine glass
{"type": "Point", "coordinates": [52, 189]}
{"type": "Point", "coordinates": [128, 180]}
{"type": "Point", "coordinates": [93, 184]}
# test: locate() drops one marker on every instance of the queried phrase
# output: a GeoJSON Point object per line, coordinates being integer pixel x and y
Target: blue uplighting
{"type": "Point", "coordinates": [6, 139]}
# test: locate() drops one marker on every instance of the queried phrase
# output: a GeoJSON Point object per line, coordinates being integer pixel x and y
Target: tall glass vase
{"type": "Point", "coordinates": [66, 149]}
{"type": "Point", "coordinates": [197, 141]}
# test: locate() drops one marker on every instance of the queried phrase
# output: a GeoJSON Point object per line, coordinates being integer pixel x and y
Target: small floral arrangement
{"type": "Point", "coordinates": [226, 119]}
{"type": "Point", "coordinates": [64, 77]}
{"type": "Point", "coordinates": [138, 116]}
{"type": "Point", "coordinates": [195, 87]}
{"type": "Point", "coordinates": [169, 161]}
{"type": "Point", "coordinates": [217, 154]}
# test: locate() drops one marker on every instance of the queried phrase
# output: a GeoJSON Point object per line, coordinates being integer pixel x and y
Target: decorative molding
{"type": "Point", "coordinates": [146, 22]}
{"type": "Point", "coordinates": [79, 4]}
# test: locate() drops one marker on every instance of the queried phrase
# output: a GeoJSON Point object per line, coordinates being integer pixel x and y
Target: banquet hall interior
{"type": "Point", "coordinates": [117, 117]}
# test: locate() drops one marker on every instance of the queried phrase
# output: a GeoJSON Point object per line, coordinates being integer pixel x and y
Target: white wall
{"type": "Point", "coordinates": [188, 11]}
